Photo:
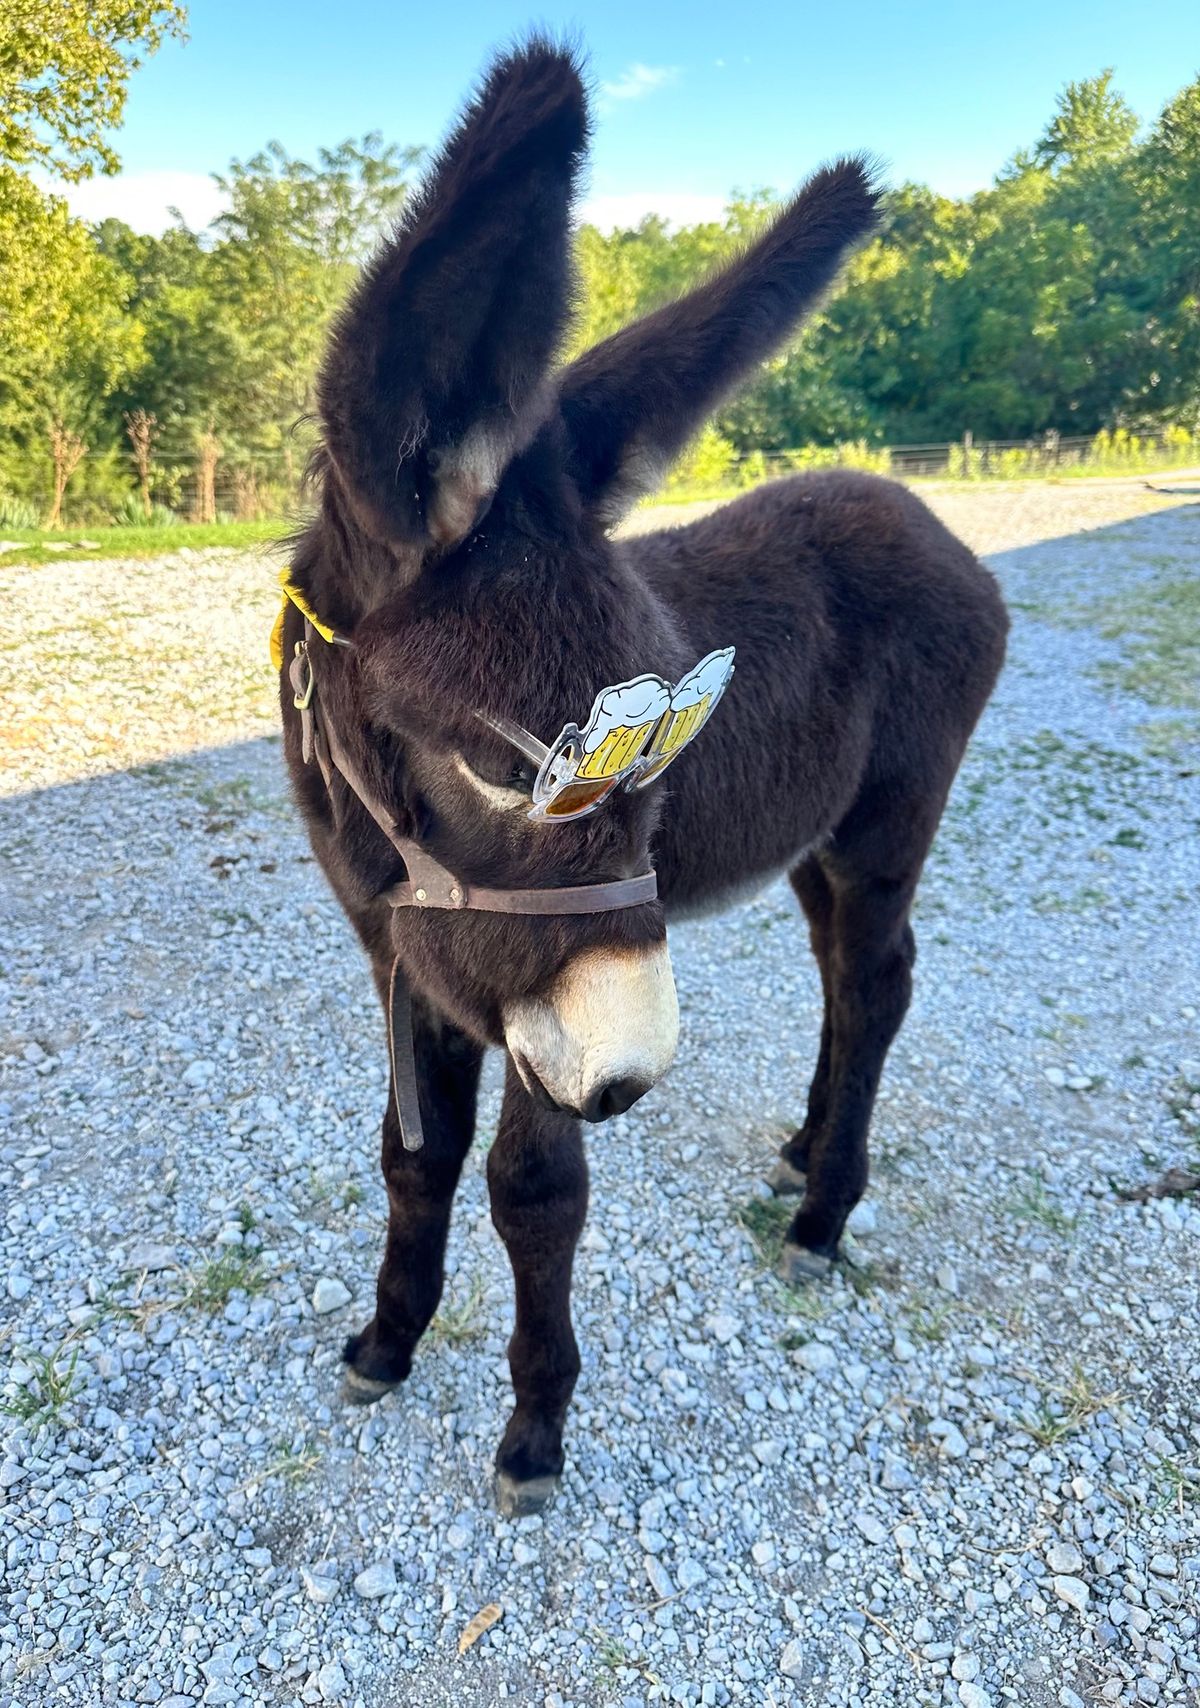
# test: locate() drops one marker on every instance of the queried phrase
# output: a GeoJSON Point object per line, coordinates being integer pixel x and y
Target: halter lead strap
{"type": "Point", "coordinates": [430, 885]}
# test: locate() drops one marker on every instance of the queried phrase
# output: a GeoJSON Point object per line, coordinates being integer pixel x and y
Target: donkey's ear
{"type": "Point", "coordinates": [630, 404]}
{"type": "Point", "coordinates": [432, 377]}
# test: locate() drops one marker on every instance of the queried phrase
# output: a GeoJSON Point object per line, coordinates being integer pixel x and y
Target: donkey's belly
{"type": "Point", "coordinates": [724, 893]}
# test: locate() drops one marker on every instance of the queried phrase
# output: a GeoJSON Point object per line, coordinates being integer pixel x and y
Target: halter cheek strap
{"type": "Point", "coordinates": [429, 884]}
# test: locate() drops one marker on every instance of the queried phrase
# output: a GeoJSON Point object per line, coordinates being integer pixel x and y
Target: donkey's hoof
{"type": "Point", "coordinates": [798, 1266]}
{"type": "Point", "coordinates": [785, 1179]}
{"type": "Point", "coordinates": [363, 1390]}
{"type": "Point", "coordinates": [522, 1498]}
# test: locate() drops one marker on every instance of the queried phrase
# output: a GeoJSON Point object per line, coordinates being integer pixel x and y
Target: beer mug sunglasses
{"type": "Point", "coordinates": [633, 732]}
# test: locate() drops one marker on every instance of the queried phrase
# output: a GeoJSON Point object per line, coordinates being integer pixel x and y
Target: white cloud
{"type": "Point", "coordinates": [638, 80]}
{"type": "Point", "coordinates": [677, 207]}
{"type": "Point", "coordinates": [144, 199]}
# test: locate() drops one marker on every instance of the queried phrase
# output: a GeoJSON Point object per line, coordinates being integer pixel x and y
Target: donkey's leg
{"type": "Point", "coordinates": [538, 1182]}
{"type": "Point", "coordinates": [872, 869]}
{"type": "Point", "coordinates": [816, 898]}
{"type": "Point", "coordinates": [420, 1189]}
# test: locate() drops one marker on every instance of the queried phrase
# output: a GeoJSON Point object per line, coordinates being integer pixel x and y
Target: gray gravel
{"type": "Point", "coordinates": [964, 1472]}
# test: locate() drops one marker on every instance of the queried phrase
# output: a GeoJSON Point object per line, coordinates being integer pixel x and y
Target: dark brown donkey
{"type": "Point", "coordinates": [463, 546]}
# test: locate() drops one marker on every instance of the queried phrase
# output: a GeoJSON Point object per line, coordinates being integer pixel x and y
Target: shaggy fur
{"type": "Point", "coordinates": [461, 538]}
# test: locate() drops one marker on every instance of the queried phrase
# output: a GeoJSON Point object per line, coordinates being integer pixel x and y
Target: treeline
{"type": "Point", "coordinates": [144, 376]}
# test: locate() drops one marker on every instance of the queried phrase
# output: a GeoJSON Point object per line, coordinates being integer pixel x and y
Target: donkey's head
{"type": "Point", "coordinates": [468, 491]}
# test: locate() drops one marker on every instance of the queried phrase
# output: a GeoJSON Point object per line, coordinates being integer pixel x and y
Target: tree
{"type": "Point", "coordinates": [1092, 123]}
{"type": "Point", "coordinates": [287, 249]}
{"type": "Point", "coordinates": [66, 342]}
{"type": "Point", "coordinates": [64, 66]}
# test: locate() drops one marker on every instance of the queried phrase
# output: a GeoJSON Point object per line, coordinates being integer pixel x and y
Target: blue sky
{"type": "Point", "coordinates": [694, 100]}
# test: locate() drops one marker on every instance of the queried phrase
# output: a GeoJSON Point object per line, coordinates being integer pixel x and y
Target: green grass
{"type": "Point", "coordinates": [1034, 1204]}
{"type": "Point", "coordinates": [211, 1285]}
{"type": "Point", "coordinates": [1068, 1406]}
{"type": "Point", "coordinates": [135, 542]}
{"type": "Point", "coordinates": [53, 1385]}
{"type": "Point", "coordinates": [1180, 1484]}
{"type": "Point", "coordinates": [459, 1319]}
{"type": "Point", "coordinates": [1159, 624]}
{"type": "Point", "coordinates": [766, 1221]}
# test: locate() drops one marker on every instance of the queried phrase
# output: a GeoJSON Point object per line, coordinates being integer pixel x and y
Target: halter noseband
{"type": "Point", "coordinates": [429, 884]}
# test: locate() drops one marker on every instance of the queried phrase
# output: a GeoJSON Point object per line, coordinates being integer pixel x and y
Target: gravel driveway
{"type": "Point", "coordinates": [966, 1471]}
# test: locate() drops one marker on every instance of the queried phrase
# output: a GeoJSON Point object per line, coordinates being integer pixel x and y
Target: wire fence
{"type": "Point", "coordinates": [1040, 457]}
{"type": "Point", "coordinates": [213, 484]}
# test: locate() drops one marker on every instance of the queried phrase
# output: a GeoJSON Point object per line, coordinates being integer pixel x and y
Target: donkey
{"type": "Point", "coordinates": [462, 550]}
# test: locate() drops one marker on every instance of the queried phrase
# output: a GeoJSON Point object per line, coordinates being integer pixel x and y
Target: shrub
{"type": "Point", "coordinates": [18, 512]}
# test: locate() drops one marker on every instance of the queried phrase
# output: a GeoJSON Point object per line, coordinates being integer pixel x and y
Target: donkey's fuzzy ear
{"type": "Point", "coordinates": [630, 404]}
{"type": "Point", "coordinates": [434, 373]}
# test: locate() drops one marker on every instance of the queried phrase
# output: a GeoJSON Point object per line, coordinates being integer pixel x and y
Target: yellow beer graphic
{"type": "Point", "coordinates": [622, 722]}
{"type": "Point", "coordinates": [692, 699]}
{"type": "Point", "coordinates": [634, 731]}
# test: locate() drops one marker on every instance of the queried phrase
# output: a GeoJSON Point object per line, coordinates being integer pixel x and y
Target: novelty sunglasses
{"type": "Point", "coordinates": [633, 732]}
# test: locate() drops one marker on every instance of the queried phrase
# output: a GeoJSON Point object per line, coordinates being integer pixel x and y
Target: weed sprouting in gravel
{"type": "Point", "coordinates": [1033, 1203]}
{"type": "Point", "coordinates": [211, 1285]}
{"type": "Point", "coordinates": [1066, 1407]}
{"type": "Point", "coordinates": [613, 1656]}
{"type": "Point", "coordinates": [766, 1221]}
{"type": "Point", "coordinates": [40, 1400]}
{"type": "Point", "coordinates": [459, 1320]}
{"type": "Point", "coordinates": [1180, 1484]}
{"type": "Point", "coordinates": [292, 1464]}
{"type": "Point", "coordinates": [930, 1322]}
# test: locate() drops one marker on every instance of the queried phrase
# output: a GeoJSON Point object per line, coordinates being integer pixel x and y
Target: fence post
{"type": "Point", "coordinates": [968, 440]}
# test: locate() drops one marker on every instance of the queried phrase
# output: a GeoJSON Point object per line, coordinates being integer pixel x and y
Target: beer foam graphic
{"type": "Point", "coordinates": [627, 706]}
{"type": "Point", "coordinates": [704, 681]}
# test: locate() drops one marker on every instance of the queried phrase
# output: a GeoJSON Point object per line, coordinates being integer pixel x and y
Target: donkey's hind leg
{"type": "Point", "coordinates": [871, 869]}
{"type": "Point", "coordinates": [420, 1188]}
{"type": "Point", "coordinates": [816, 898]}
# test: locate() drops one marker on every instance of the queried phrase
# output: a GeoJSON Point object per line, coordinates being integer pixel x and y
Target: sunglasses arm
{"type": "Point", "coordinates": [534, 750]}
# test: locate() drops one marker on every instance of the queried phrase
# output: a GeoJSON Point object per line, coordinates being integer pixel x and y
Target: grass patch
{"type": "Point", "coordinates": [40, 1401]}
{"type": "Point", "coordinates": [38, 546]}
{"type": "Point", "coordinates": [930, 1322]}
{"type": "Point", "coordinates": [292, 1464]}
{"type": "Point", "coordinates": [1180, 1484]}
{"type": "Point", "coordinates": [211, 1285]}
{"type": "Point", "coordinates": [1068, 1406]}
{"type": "Point", "coordinates": [1176, 740]}
{"type": "Point", "coordinates": [1034, 1204]}
{"type": "Point", "coordinates": [1159, 624]}
{"type": "Point", "coordinates": [459, 1320]}
{"type": "Point", "coordinates": [766, 1220]}
{"type": "Point", "coordinates": [613, 1656]}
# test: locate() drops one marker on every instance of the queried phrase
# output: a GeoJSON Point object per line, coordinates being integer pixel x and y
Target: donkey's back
{"type": "Point", "coordinates": [868, 639]}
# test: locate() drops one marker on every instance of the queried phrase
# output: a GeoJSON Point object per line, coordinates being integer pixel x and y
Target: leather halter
{"type": "Point", "coordinates": [430, 884]}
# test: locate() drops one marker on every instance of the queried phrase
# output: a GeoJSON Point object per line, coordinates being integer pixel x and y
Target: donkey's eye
{"type": "Point", "coordinates": [503, 781]}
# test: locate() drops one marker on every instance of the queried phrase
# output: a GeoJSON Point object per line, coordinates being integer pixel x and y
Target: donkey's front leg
{"type": "Point", "coordinates": [420, 1188]}
{"type": "Point", "coordinates": [538, 1182]}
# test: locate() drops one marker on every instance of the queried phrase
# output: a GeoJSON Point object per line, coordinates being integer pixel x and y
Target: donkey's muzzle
{"type": "Point", "coordinates": [601, 1036]}
{"type": "Point", "coordinates": [614, 1098]}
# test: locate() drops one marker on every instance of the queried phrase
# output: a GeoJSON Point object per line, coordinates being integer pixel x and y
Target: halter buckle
{"type": "Point", "coordinates": [303, 680]}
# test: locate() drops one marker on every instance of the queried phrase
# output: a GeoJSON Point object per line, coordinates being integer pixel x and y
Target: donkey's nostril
{"type": "Point", "coordinates": [614, 1097]}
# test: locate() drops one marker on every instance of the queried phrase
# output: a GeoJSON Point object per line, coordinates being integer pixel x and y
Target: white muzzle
{"type": "Point", "coordinates": [604, 1033]}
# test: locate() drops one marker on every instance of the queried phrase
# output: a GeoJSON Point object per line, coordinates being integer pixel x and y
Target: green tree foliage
{"type": "Point", "coordinates": [64, 65]}
{"type": "Point", "coordinates": [1065, 296]}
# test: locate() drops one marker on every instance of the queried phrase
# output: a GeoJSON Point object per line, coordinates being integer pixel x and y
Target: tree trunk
{"type": "Point", "coordinates": [67, 449]}
{"type": "Point", "coordinates": [140, 425]}
{"type": "Point", "coordinates": [209, 449]}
